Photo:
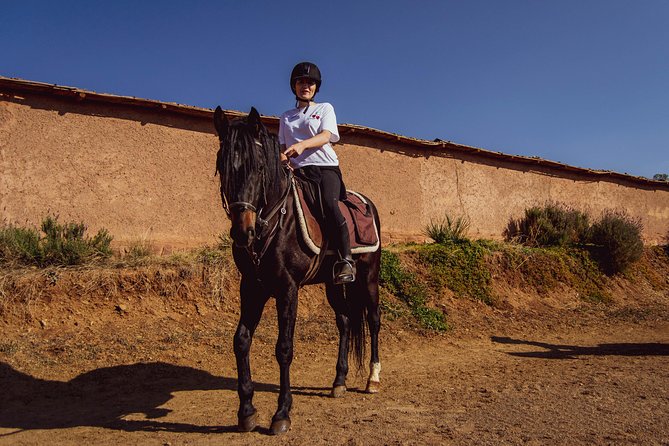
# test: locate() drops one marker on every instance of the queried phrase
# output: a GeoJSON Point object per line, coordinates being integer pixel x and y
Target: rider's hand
{"type": "Point", "coordinates": [295, 150]}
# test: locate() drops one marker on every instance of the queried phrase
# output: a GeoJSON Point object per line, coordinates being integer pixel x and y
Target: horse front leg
{"type": "Point", "coordinates": [252, 303]}
{"type": "Point", "coordinates": [286, 307]}
{"type": "Point", "coordinates": [335, 295]}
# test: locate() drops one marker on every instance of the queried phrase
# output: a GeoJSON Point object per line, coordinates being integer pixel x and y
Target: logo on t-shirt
{"type": "Point", "coordinates": [315, 116]}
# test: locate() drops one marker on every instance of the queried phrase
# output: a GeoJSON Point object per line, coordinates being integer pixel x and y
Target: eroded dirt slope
{"type": "Point", "coordinates": [150, 364]}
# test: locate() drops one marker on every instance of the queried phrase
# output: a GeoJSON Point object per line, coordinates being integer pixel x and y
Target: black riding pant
{"type": "Point", "coordinates": [331, 185]}
{"type": "Point", "coordinates": [332, 191]}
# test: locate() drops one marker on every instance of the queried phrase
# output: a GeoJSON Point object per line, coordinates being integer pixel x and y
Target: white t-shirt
{"type": "Point", "coordinates": [296, 126]}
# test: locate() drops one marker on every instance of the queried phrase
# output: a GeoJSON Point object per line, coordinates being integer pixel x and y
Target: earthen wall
{"type": "Point", "coordinates": [148, 174]}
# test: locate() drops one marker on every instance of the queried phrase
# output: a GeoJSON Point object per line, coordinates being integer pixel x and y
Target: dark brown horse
{"type": "Point", "coordinates": [274, 262]}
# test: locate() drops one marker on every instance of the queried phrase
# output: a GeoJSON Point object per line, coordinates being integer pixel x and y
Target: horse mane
{"type": "Point", "coordinates": [240, 155]}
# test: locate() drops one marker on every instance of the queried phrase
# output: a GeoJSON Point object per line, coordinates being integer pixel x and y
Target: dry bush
{"type": "Point", "coordinates": [618, 236]}
{"type": "Point", "coordinates": [553, 224]}
{"type": "Point", "coordinates": [57, 244]}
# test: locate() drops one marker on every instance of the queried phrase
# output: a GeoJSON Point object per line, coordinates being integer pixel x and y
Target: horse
{"type": "Point", "coordinates": [274, 262]}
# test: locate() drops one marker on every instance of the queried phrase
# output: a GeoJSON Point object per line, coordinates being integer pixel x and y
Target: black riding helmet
{"type": "Point", "coordinates": [308, 70]}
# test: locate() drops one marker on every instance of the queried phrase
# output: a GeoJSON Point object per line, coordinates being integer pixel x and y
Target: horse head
{"type": "Point", "coordinates": [247, 162]}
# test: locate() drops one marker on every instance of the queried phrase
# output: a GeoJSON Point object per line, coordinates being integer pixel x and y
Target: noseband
{"type": "Point", "coordinates": [241, 206]}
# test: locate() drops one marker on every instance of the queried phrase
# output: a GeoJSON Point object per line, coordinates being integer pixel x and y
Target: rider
{"type": "Point", "coordinates": [306, 134]}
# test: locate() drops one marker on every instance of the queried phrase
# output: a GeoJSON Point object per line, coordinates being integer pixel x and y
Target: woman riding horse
{"type": "Point", "coordinates": [305, 134]}
{"type": "Point", "coordinates": [257, 195]}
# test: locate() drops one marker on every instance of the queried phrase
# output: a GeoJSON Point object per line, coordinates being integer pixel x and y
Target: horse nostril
{"type": "Point", "coordinates": [251, 232]}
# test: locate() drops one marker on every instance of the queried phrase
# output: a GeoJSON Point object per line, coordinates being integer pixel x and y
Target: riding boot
{"type": "Point", "coordinates": [344, 269]}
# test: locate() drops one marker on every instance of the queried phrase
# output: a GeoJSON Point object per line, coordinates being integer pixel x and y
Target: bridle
{"type": "Point", "coordinates": [262, 222]}
{"type": "Point", "coordinates": [243, 205]}
{"type": "Point", "coordinates": [240, 206]}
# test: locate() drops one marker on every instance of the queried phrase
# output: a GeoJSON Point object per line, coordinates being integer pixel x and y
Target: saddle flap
{"type": "Point", "coordinates": [310, 223]}
{"type": "Point", "coordinates": [363, 233]}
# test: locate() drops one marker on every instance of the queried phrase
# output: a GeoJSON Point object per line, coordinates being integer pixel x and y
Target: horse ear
{"type": "Point", "coordinates": [254, 121]}
{"type": "Point", "coordinates": [220, 122]}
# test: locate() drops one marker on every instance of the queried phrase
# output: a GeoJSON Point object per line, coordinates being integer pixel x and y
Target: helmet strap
{"type": "Point", "coordinates": [297, 104]}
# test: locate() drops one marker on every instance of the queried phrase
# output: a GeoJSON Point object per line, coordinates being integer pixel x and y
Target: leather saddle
{"type": "Point", "coordinates": [362, 230]}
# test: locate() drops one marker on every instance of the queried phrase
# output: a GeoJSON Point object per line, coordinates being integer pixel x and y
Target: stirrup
{"type": "Point", "coordinates": [343, 271]}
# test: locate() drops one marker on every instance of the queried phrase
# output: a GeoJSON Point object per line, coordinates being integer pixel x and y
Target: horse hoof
{"type": "Point", "coordinates": [280, 427]}
{"type": "Point", "coordinates": [247, 424]}
{"type": "Point", "coordinates": [373, 387]}
{"type": "Point", "coordinates": [338, 391]}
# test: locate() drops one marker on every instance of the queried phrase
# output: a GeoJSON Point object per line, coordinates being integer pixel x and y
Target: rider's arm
{"type": "Point", "coordinates": [315, 141]}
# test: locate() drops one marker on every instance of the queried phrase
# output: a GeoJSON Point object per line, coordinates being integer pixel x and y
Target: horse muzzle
{"type": "Point", "coordinates": [243, 230]}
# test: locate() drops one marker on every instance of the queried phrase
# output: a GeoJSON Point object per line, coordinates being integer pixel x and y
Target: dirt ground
{"type": "Point", "coordinates": [146, 369]}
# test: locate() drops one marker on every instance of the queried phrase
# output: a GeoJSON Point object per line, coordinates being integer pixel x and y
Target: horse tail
{"type": "Point", "coordinates": [357, 317]}
{"type": "Point", "coordinates": [362, 296]}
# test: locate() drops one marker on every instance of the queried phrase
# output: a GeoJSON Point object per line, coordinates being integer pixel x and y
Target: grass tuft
{"type": "Point", "coordinates": [137, 250]}
{"type": "Point", "coordinates": [447, 229]}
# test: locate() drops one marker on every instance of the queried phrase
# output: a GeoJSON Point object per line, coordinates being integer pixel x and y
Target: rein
{"type": "Point", "coordinates": [279, 206]}
{"type": "Point", "coordinates": [263, 223]}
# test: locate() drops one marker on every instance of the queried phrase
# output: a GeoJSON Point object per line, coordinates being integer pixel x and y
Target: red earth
{"type": "Point", "coordinates": [98, 361]}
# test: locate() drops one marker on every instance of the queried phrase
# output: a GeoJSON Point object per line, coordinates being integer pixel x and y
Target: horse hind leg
{"type": "Point", "coordinates": [374, 381]}
{"type": "Point", "coordinates": [336, 299]}
{"type": "Point", "coordinates": [374, 324]}
{"type": "Point", "coordinates": [362, 298]}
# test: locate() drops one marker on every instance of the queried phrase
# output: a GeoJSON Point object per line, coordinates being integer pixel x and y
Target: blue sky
{"type": "Point", "coordinates": [583, 82]}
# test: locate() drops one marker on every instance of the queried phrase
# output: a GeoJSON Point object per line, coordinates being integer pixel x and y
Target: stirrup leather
{"type": "Point", "coordinates": [343, 271]}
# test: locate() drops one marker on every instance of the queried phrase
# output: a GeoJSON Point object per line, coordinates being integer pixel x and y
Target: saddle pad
{"type": "Point", "coordinates": [362, 230]}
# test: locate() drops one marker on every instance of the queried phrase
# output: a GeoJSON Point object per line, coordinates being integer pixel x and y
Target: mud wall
{"type": "Point", "coordinates": [143, 175]}
{"type": "Point", "coordinates": [415, 186]}
{"type": "Point", "coordinates": [148, 174]}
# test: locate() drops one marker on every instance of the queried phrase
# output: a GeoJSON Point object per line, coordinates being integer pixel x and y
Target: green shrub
{"type": "Point", "coordinates": [19, 245]}
{"type": "Point", "coordinates": [618, 237]}
{"type": "Point", "coordinates": [446, 229]}
{"type": "Point", "coordinates": [406, 286]}
{"type": "Point", "coordinates": [586, 276]}
{"type": "Point", "coordinates": [391, 309]}
{"type": "Point", "coordinates": [460, 267]}
{"type": "Point", "coordinates": [66, 244]}
{"type": "Point", "coordinates": [553, 224]}
{"type": "Point", "coordinates": [60, 244]}
{"type": "Point", "coordinates": [391, 274]}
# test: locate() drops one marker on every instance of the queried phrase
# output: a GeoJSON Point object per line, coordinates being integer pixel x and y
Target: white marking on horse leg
{"type": "Point", "coordinates": [374, 371]}
{"type": "Point", "coordinates": [373, 383]}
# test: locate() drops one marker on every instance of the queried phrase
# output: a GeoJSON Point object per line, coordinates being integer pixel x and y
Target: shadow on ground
{"type": "Point", "coordinates": [102, 397]}
{"type": "Point", "coordinates": [558, 351]}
